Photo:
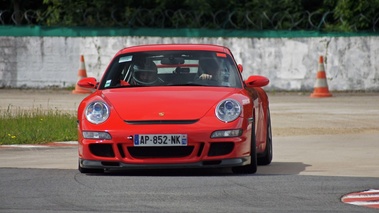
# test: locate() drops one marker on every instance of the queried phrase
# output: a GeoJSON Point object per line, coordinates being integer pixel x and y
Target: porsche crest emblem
{"type": "Point", "coordinates": [161, 114]}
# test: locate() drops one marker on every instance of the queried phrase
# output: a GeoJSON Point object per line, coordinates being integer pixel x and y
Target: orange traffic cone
{"type": "Point", "coordinates": [321, 86]}
{"type": "Point", "coordinates": [82, 73]}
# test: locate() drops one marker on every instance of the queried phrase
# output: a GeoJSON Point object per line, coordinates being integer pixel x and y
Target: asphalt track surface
{"type": "Point", "coordinates": [324, 148]}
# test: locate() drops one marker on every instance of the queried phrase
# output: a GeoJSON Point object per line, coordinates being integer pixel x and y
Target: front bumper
{"type": "Point", "coordinates": [200, 151]}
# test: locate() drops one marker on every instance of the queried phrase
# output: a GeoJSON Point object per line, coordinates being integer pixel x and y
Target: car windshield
{"type": "Point", "coordinates": [172, 68]}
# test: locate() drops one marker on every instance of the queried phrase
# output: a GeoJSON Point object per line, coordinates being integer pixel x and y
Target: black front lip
{"type": "Point", "coordinates": [90, 164]}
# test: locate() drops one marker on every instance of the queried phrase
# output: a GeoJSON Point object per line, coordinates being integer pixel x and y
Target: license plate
{"type": "Point", "coordinates": [160, 140]}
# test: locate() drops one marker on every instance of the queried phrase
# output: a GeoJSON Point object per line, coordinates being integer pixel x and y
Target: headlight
{"type": "Point", "coordinates": [97, 112]}
{"type": "Point", "coordinates": [228, 110]}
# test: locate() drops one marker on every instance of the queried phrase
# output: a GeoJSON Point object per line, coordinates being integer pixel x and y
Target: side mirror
{"type": "Point", "coordinates": [89, 82]}
{"type": "Point", "coordinates": [240, 67]}
{"type": "Point", "coordinates": [256, 81]}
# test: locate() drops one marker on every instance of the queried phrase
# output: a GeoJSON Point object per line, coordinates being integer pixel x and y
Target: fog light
{"type": "Point", "coordinates": [97, 135]}
{"type": "Point", "coordinates": [227, 133]}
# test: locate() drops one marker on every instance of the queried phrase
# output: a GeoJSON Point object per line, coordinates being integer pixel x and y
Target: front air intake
{"type": "Point", "coordinates": [160, 152]}
{"type": "Point", "coordinates": [102, 150]}
{"type": "Point", "coordinates": [222, 148]}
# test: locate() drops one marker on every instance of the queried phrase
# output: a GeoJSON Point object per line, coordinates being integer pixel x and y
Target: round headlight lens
{"type": "Point", "coordinates": [228, 110]}
{"type": "Point", "coordinates": [97, 112]}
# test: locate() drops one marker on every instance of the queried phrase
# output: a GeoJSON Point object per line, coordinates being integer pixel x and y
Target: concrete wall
{"type": "Point", "coordinates": [352, 63]}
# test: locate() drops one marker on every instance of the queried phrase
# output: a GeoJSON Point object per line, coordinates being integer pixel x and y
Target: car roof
{"type": "Point", "coordinates": [162, 47]}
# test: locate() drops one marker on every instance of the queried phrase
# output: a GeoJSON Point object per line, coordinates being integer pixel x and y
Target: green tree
{"type": "Point", "coordinates": [353, 15]}
{"type": "Point", "coordinates": [328, 15]}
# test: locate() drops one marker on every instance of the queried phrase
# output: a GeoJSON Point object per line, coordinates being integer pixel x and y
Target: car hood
{"type": "Point", "coordinates": [165, 103]}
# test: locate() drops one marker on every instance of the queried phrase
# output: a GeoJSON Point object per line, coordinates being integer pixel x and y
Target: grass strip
{"type": "Point", "coordinates": [36, 126]}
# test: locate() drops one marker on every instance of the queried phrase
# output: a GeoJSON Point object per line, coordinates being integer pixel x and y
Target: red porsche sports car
{"type": "Point", "coordinates": [174, 106]}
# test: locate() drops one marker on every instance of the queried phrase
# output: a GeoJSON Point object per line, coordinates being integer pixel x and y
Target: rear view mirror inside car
{"type": "Point", "coordinates": [172, 60]}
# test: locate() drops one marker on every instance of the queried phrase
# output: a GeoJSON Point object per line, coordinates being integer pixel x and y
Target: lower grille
{"type": "Point", "coordinates": [160, 152]}
{"type": "Point", "coordinates": [102, 150]}
{"type": "Point", "coordinates": [221, 148]}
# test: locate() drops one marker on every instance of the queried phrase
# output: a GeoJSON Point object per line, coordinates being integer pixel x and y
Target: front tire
{"type": "Point", "coordinates": [252, 167]}
{"type": "Point", "coordinates": [268, 153]}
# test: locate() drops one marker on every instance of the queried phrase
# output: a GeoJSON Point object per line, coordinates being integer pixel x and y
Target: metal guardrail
{"type": "Point", "coordinates": [241, 20]}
